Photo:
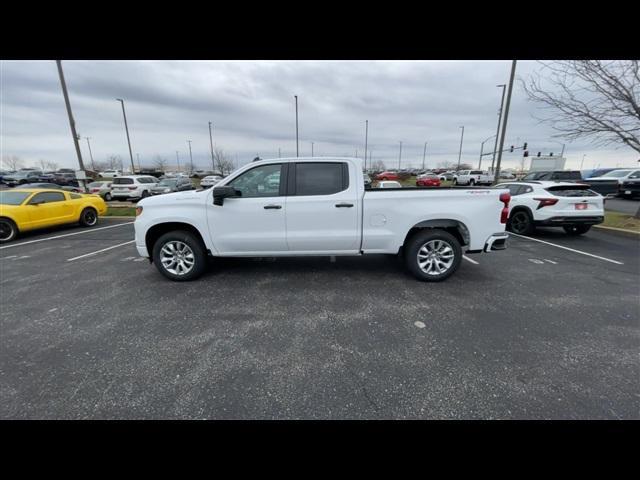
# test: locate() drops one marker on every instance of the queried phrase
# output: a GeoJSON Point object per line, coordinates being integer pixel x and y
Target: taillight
{"type": "Point", "coordinates": [138, 211]}
{"type": "Point", "coordinates": [546, 202]}
{"type": "Point", "coordinates": [505, 198]}
{"type": "Point", "coordinates": [133, 188]}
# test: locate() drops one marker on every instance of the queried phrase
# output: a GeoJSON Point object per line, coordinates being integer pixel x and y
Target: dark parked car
{"type": "Point", "coordinates": [169, 185]}
{"type": "Point", "coordinates": [564, 175]}
{"type": "Point", "coordinates": [598, 172]}
{"type": "Point", "coordinates": [630, 188]}
{"type": "Point", "coordinates": [52, 186]}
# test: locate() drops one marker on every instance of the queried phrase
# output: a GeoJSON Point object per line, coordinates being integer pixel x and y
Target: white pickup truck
{"type": "Point", "coordinates": [473, 177]}
{"type": "Point", "coordinates": [319, 207]}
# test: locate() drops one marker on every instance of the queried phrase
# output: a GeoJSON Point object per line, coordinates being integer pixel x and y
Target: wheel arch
{"type": "Point", "coordinates": [455, 227]}
{"type": "Point", "coordinates": [156, 231]}
{"type": "Point", "coordinates": [520, 208]}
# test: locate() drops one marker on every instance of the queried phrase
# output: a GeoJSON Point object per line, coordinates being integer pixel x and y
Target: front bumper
{"type": "Point", "coordinates": [569, 220]}
{"type": "Point", "coordinates": [497, 241]}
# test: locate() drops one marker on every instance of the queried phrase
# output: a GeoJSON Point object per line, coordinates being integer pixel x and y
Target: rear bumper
{"type": "Point", "coordinates": [568, 220]}
{"type": "Point", "coordinates": [497, 241]}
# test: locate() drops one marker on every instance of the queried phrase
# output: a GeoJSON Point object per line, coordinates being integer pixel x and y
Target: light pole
{"type": "Point", "coordinates": [93, 167]}
{"type": "Point", "coordinates": [72, 122]}
{"type": "Point", "coordinates": [312, 149]}
{"type": "Point", "coordinates": [495, 146]}
{"type": "Point", "coordinates": [424, 155]}
{"type": "Point", "coordinates": [138, 157]}
{"type": "Point", "coordinates": [297, 144]}
{"type": "Point", "coordinates": [482, 149]}
{"type": "Point", "coordinates": [213, 163]}
{"type": "Point", "coordinates": [190, 156]}
{"type": "Point", "coordinates": [366, 140]}
{"type": "Point", "coordinates": [504, 123]}
{"type": "Point", "coordinates": [178, 159]}
{"type": "Point", "coordinates": [400, 156]}
{"type": "Point", "coordinates": [581, 163]}
{"type": "Point", "coordinates": [278, 153]}
{"type": "Point", "coordinates": [126, 127]}
{"type": "Point", "coordinates": [460, 152]}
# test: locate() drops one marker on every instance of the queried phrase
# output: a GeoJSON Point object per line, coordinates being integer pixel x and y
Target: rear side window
{"type": "Point", "coordinates": [476, 172]}
{"type": "Point", "coordinates": [122, 181]}
{"type": "Point", "coordinates": [320, 178]}
{"type": "Point", "coordinates": [75, 196]}
{"type": "Point", "coordinates": [48, 197]}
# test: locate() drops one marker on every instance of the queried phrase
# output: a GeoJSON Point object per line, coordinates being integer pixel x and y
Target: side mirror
{"type": "Point", "coordinates": [222, 192]}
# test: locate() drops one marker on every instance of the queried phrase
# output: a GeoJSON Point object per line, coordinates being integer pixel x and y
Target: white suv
{"type": "Point", "coordinates": [572, 206]}
{"type": "Point", "coordinates": [132, 186]}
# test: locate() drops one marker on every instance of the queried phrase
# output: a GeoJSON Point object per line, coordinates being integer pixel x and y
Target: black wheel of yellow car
{"type": "Point", "coordinates": [8, 230]}
{"type": "Point", "coordinates": [88, 217]}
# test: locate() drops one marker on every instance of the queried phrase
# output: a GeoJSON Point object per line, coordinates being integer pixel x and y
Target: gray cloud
{"type": "Point", "coordinates": [252, 107]}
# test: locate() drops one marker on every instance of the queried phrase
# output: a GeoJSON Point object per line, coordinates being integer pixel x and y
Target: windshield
{"type": "Point", "coordinates": [13, 198]}
{"type": "Point", "coordinates": [617, 173]}
{"type": "Point", "coordinates": [168, 183]}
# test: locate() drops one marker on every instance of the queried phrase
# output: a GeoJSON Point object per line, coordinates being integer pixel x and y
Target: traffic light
{"type": "Point", "coordinates": [526, 153]}
{"type": "Point", "coordinates": [524, 147]}
{"type": "Point", "coordinates": [511, 149]}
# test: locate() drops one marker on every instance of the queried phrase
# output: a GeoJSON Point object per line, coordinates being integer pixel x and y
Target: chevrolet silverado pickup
{"type": "Point", "coordinates": [319, 207]}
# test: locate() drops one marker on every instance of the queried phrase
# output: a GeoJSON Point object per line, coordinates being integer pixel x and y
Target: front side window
{"type": "Point", "coordinates": [321, 178]}
{"type": "Point", "coordinates": [47, 197]}
{"type": "Point", "coordinates": [263, 181]}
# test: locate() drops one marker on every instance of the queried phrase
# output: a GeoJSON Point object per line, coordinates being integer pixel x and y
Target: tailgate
{"type": "Point", "coordinates": [577, 200]}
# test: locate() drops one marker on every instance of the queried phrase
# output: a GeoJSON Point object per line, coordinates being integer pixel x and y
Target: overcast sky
{"type": "Point", "coordinates": [251, 105]}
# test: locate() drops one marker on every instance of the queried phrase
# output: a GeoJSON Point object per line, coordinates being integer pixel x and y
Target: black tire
{"type": "Point", "coordinates": [88, 217]}
{"type": "Point", "coordinates": [455, 181]}
{"type": "Point", "coordinates": [576, 229]}
{"type": "Point", "coordinates": [8, 230]}
{"type": "Point", "coordinates": [197, 249]}
{"type": "Point", "coordinates": [472, 182]}
{"type": "Point", "coordinates": [429, 241]}
{"type": "Point", "coordinates": [107, 197]}
{"type": "Point", "coordinates": [521, 222]}
{"type": "Point", "coordinates": [145, 194]}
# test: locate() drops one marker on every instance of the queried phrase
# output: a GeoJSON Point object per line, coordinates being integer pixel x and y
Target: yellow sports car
{"type": "Point", "coordinates": [23, 209]}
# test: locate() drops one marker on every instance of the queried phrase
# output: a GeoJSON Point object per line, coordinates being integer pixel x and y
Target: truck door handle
{"type": "Point", "coordinates": [272, 207]}
{"type": "Point", "coordinates": [344, 205]}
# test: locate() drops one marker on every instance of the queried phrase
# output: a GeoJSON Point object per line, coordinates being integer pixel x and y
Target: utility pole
{"type": "Point", "coordinates": [190, 156]}
{"type": "Point", "coordinates": [562, 152]}
{"type": "Point", "coordinates": [424, 155]}
{"type": "Point", "coordinates": [366, 140]}
{"type": "Point", "coordinates": [297, 143]}
{"type": "Point", "coordinates": [178, 159]}
{"type": "Point", "coordinates": [460, 152]}
{"type": "Point", "coordinates": [312, 149]}
{"type": "Point", "coordinates": [495, 147]}
{"type": "Point", "coordinates": [213, 163]}
{"type": "Point", "coordinates": [126, 127]}
{"type": "Point", "coordinates": [93, 167]}
{"type": "Point", "coordinates": [581, 163]}
{"type": "Point", "coordinates": [72, 122]}
{"type": "Point", "coordinates": [496, 177]}
{"type": "Point", "coordinates": [400, 156]}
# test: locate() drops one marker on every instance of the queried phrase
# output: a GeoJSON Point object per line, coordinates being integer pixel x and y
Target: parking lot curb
{"type": "Point", "coordinates": [118, 216]}
{"type": "Point", "coordinates": [619, 231]}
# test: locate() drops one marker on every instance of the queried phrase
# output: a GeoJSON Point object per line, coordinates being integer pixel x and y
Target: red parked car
{"type": "Point", "coordinates": [387, 176]}
{"type": "Point", "coordinates": [428, 180]}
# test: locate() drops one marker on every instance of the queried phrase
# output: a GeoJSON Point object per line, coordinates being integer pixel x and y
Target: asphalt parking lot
{"type": "Point", "coordinates": [549, 328]}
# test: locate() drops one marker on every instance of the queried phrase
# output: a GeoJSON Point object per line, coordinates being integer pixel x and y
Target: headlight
{"type": "Point", "coordinates": [167, 190]}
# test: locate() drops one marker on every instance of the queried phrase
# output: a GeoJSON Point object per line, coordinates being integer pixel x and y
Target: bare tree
{"type": "Point", "coordinates": [12, 162]}
{"type": "Point", "coordinates": [113, 162]}
{"type": "Point", "coordinates": [223, 162]}
{"type": "Point", "coordinates": [592, 99]}
{"type": "Point", "coordinates": [50, 165]}
{"type": "Point", "coordinates": [378, 166]}
{"type": "Point", "coordinates": [160, 163]}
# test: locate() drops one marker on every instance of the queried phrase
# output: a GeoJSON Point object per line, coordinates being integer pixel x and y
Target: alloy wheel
{"type": "Point", "coordinates": [435, 257]}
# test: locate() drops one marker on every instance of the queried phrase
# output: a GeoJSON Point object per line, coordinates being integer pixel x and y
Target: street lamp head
{"type": "Point", "coordinates": [119, 99]}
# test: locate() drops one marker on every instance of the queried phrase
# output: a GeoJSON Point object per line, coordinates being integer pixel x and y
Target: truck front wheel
{"type": "Point", "coordinates": [180, 256]}
{"type": "Point", "coordinates": [433, 255]}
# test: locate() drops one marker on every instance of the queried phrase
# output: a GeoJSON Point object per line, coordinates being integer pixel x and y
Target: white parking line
{"type": "Point", "coordinates": [99, 251]}
{"type": "Point", "coordinates": [62, 236]}
{"type": "Point", "coordinates": [469, 260]}
{"type": "Point", "coordinates": [567, 248]}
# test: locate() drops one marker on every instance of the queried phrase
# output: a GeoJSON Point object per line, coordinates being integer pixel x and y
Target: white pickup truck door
{"type": "Point", "coordinates": [322, 208]}
{"type": "Point", "coordinates": [255, 222]}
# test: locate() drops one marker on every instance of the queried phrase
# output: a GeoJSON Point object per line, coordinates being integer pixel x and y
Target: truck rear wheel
{"type": "Point", "coordinates": [433, 255]}
{"type": "Point", "coordinates": [180, 256]}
